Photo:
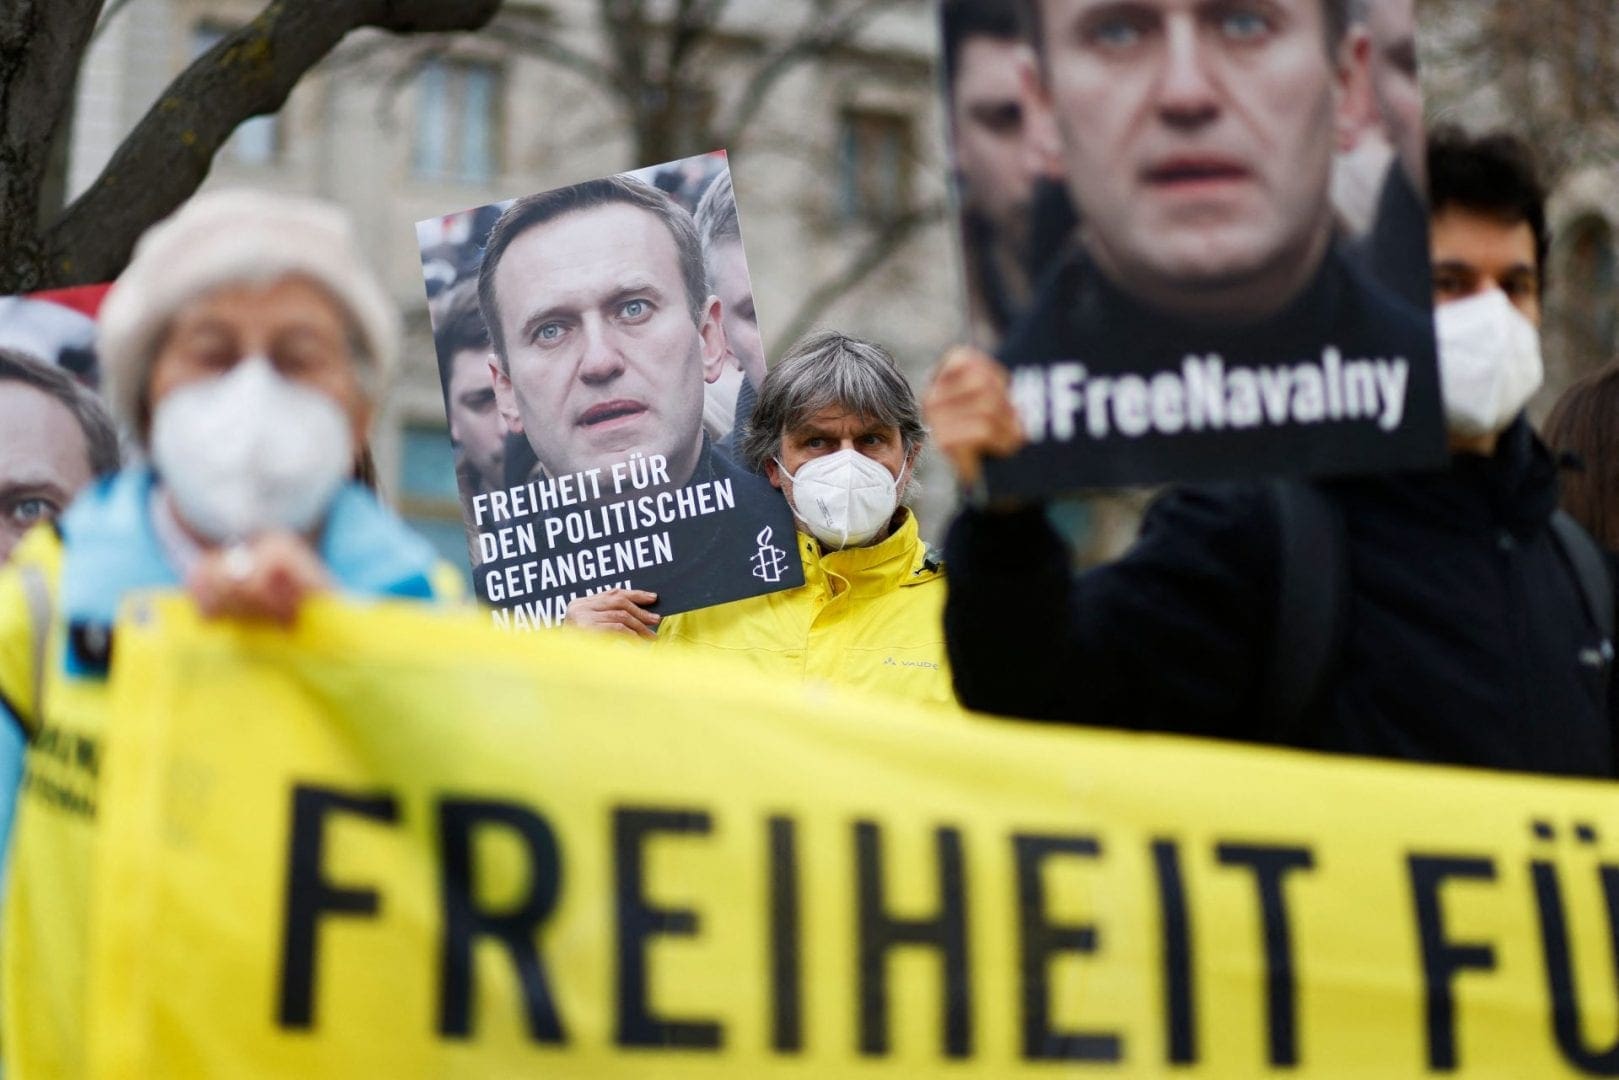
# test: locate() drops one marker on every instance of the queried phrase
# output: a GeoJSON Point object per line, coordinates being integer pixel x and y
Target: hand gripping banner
{"type": "Point", "coordinates": [395, 843]}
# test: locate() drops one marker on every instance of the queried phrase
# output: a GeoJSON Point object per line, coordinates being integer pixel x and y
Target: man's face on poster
{"type": "Point", "coordinates": [44, 460]}
{"type": "Point", "coordinates": [1393, 27]}
{"type": "Point", "coordinates": [475, 423]}
{"type": "Point", "coordinates": [603, 356]}
{"type": "Point", "coordinates": [1198, 140]}
{"type": "Point", "coordinates": [991, 126]}
{"type": "Point", "coordinates": [735, 290]}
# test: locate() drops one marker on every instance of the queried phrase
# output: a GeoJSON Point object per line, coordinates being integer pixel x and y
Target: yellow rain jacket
{"type": "Point", "coordinates": [869, 617]}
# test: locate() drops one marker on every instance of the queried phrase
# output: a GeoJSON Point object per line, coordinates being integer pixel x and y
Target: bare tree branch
{"type": "Point", "coordinates": [629, 32]}
{"type": "Point", "coordinates": [540, 42]}
{"type": "Point", "coordinates": [248, 74]}
{"type": "Point", "coordinates": [695, 22]}
{"type": "Point", "coordinates": [401, 72]}
{"type": "Point", "coordinates": [819, 36]}
{"type": "Point", "coordinates": [886, 242]}
{"type": "Point", "coordinates": [1550, 70]}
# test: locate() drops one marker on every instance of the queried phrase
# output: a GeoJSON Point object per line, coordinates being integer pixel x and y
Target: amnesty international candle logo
{"type": "Point", "coordinates": [583, 351]}
{"type": "Point", "coordinates": [770, 561]}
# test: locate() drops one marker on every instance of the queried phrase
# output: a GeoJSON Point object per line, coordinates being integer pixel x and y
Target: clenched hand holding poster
{"type": "Point", "coordinates": [1154, 248]}
{"type": "Point", "coordinates": [581, 342]}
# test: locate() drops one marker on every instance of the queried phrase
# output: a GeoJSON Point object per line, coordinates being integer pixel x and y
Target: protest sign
{"type": "Point", "coordinates": [1188, 273]}
{"type": "Point", "coordinates": [421, 847]}
{"type": "Point", "coordinates": [580, 347]}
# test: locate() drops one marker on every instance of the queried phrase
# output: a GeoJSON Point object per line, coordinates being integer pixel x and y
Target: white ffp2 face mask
{"type": "Point", "coordinates": [1489, 362]}
{"type": "Point", "coordinates": [844, 499]}
{"type": "Point", "coordinates": [249, 451]}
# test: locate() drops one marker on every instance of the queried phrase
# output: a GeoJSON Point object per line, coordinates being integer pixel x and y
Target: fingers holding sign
{"type": "Point", "coordinates": [969, 411]}
{"type": "Point", "coordinates": [267, 578]}
{"type": "Point", "coordinates": [617, 610]}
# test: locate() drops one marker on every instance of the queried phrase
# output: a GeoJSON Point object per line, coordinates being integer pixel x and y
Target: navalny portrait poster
{"type": "Point", "coordinates": [1194, 234]}
{"type": "Point", "coordinates": [592, 381]}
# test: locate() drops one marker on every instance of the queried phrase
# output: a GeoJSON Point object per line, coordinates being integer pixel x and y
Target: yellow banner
{"type": "Point", "coordinates": [399, 844]}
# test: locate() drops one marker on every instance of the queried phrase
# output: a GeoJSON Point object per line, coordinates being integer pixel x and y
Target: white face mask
{"type": "Point", "coordinates": [843, 499]}
{"type": "Point", "coordinates": [249, 450]}
{"type": "Point", "coordinates": [1489, 362]}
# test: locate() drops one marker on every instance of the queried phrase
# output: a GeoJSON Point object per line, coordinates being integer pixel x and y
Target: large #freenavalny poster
{"type": "Point", "coordinates": [1195, 237]}
{"type": "Point", "coordinates": [599, 354]}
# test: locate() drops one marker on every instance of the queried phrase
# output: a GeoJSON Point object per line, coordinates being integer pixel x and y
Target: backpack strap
{"type": "Point", "coordinates": [1590, 568]}
{"type": "Point", "coordinates": [1312, 602]}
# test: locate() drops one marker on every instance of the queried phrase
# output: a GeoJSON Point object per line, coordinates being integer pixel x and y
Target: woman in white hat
{"type": "Point", "coordinates": [244, 347]}
{"type": "Point", "coordinates": [243, 350]}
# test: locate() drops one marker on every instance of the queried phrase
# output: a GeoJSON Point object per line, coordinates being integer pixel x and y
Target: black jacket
{"type": "Point", "coordinates": [1466, 638]}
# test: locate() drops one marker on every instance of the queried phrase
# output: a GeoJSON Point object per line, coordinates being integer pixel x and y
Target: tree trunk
{"type": "Point", "coordinates": [41, 44]}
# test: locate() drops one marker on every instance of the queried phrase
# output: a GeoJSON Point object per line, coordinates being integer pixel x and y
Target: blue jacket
{"type": "Point", "coordinates": [105, 547]}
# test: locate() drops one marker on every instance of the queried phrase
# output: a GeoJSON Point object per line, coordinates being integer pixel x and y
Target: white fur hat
{"type": "Point", "coordinates": [231, 237]}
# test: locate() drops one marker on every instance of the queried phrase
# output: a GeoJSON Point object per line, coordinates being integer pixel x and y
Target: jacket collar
{"type": "Point", "coordinates": [898, 560]}
{"type": "Point", "coordinates": [110, 548]}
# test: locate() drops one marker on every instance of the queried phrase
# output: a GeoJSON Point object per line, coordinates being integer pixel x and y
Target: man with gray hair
{"type": "Point", "coordinates": [838, 430]}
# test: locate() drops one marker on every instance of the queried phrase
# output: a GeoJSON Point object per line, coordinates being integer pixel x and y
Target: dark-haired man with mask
{"type": "Point", "coordinates": [1488, 238]}
{"type": "Point", "coordinates": [1443, 616]}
